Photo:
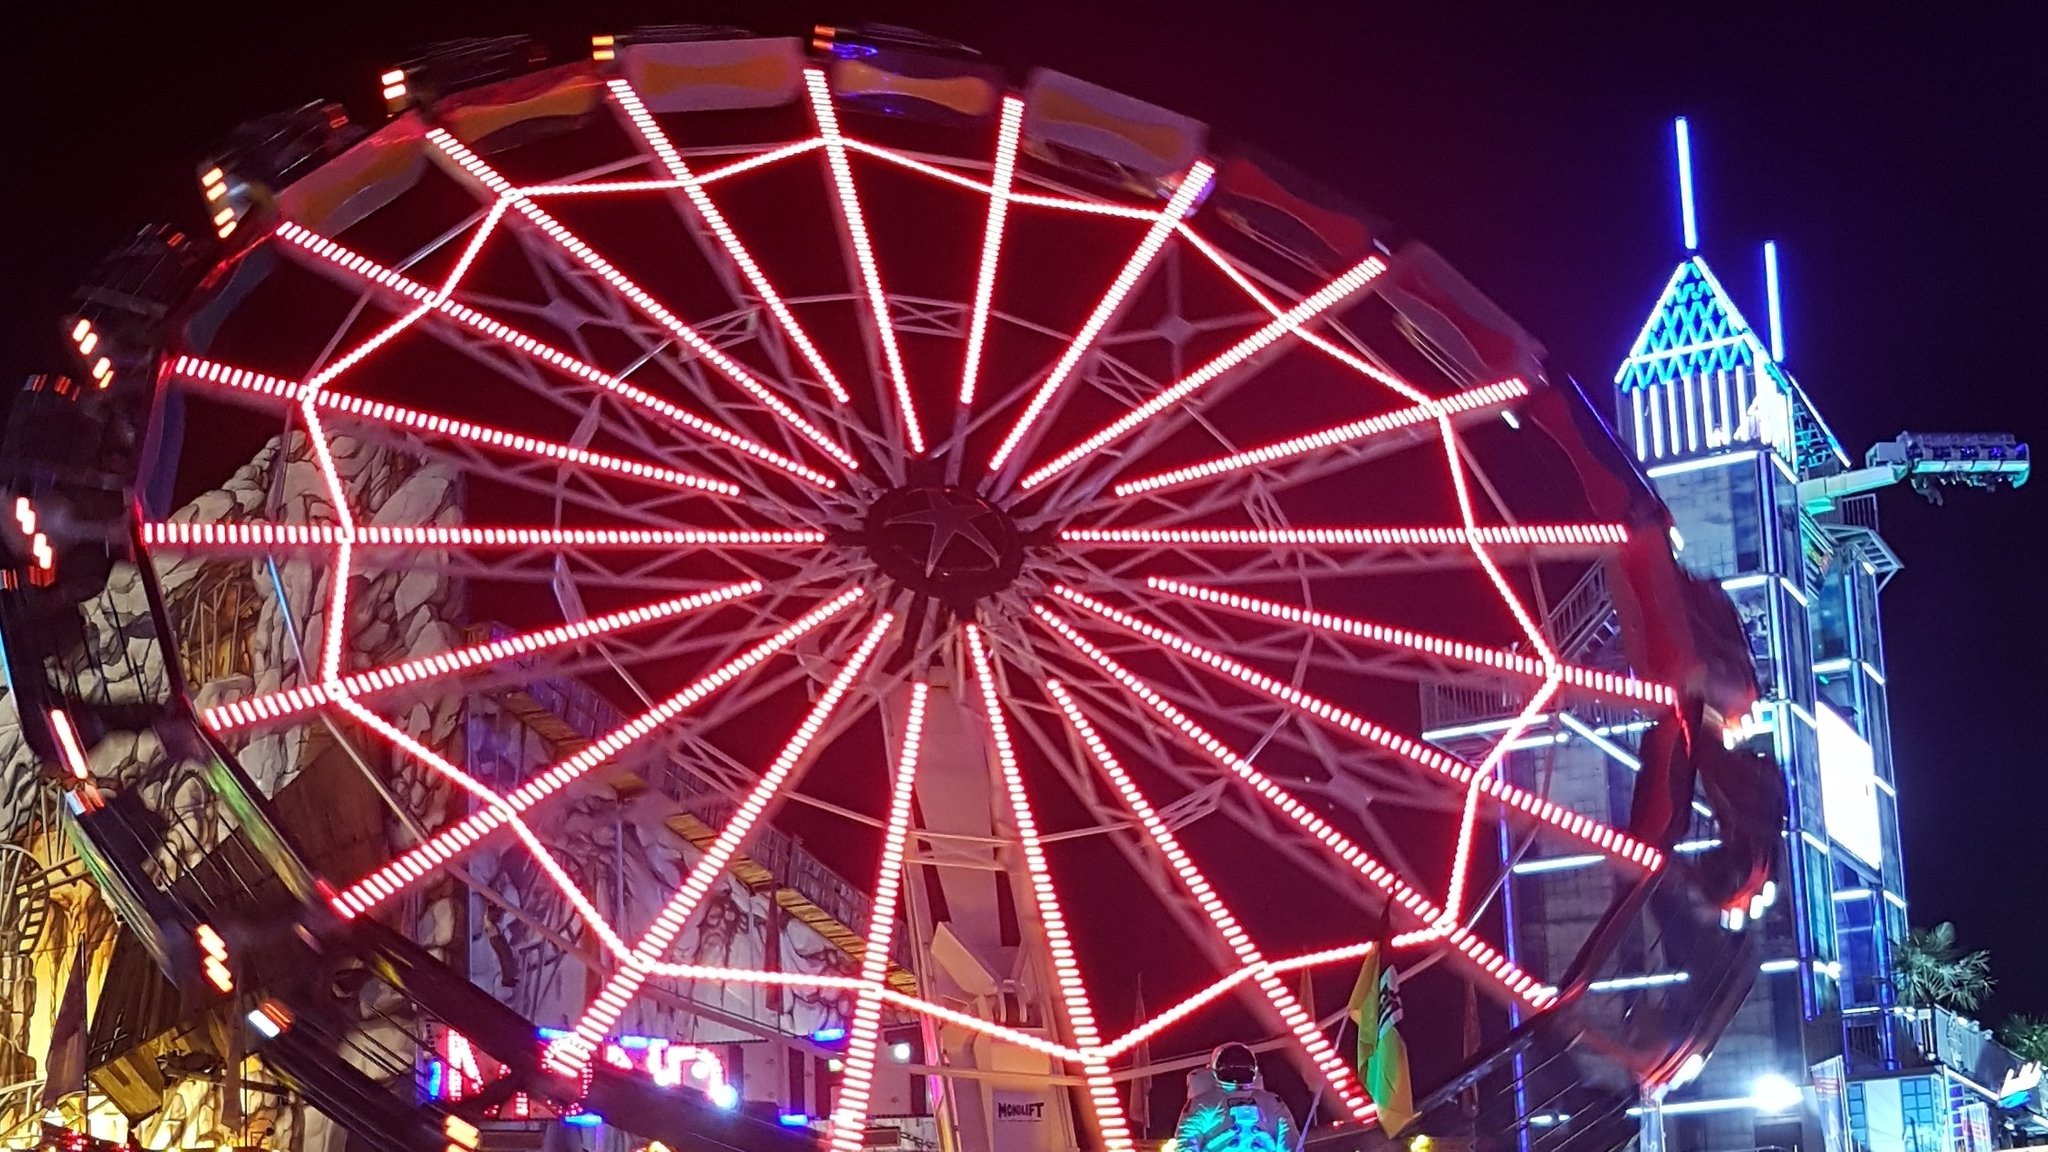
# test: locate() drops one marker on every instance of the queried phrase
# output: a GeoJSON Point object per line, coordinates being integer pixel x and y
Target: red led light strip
{"type": "Point", "coordinates": [650, 307]}
{"type": "Point", "coordinates": [1335, 1071]}
{"type": "Point", "coordinates": [1490, 961]}
{"type": "Point", "coordinates": [417, 861]}
{"type": "Point", "coordinates": [293, 701]}
{"type": "Point", "coordinates": [573, 1053]}
{"type": "Point", "coordinates": [1332, 437]}
{"type": "Point", "coordinates": [526, 345]}
{"type": "Point", "coordinates": [1008, 129]}
{"type": "Point", "coordinates": [1191, 188]}
{"type": "Point", "coordinates": [1605, 683]}
{"type": "Point", "coordinates": [863, 251]}
{"type": "Point", "coordinates": [856, 1083]}
{"type": "Point", "coordinates": [1525, 534]}
{"type": "Point", "coordinates": [1607, 839]}
{"type": "Point", "coordinates": [241, 379]}
{"type": "Point", "coordinates": [709, 176]}
{"type": "Point", "coordinates": [657, 140]}
{"type": "Point", "coordinates": [69, 750]}
{"type": "Point", "coordinates": [1321, 301]}
{"type": "Point", "coordinates": [1341, 354]}
{"type": "Point", "coordinates": [186, 534]}
{"type": "Point", "coordinates": [1102, 1095]}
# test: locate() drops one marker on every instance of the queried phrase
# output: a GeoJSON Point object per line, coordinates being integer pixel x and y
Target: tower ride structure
{"type": "Point", "coordinates": [1765, 500]}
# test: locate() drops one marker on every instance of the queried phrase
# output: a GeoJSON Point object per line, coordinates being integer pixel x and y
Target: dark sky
{"type": "Point", "coordinates": [1897, 160]}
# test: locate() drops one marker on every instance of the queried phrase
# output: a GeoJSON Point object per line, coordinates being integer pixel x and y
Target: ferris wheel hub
{"type": "Point", "coordinates": [945, 542]}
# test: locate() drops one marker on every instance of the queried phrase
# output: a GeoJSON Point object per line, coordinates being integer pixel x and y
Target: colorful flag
{"type": "Point", "coordinates": [1382, 1054]}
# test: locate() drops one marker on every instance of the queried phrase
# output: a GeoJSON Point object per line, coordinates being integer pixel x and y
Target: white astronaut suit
{"type": "Point", "coordinates": [1229, 1109]}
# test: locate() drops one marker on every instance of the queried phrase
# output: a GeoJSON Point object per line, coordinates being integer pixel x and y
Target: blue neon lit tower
{"type": "Point", "coordinates": [1765, 501]}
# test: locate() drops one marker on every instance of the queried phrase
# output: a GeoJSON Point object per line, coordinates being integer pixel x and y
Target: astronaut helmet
{"type": "Point", "coordinates": [1235, 1066]}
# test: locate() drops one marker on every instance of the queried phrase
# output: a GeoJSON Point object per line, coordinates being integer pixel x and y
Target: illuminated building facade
{"type": "Point", "coordinates": [1765, 501]}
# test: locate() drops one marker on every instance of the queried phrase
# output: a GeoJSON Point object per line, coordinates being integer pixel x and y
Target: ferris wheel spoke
{"type": "Point", "coordinates": [654, 140]}
{"type": "Point", "coordinates": [856, 1096]}
{"type": "Point", "coordinates": [855, 229]}
{"type": "Point", "coordinates": [408, 868]}
{"type": "Point", "coordinates": [1602, 836]}
{"type": "Point", "coordinates": [426, 423]}
{"type": "Point", "coordinates": [572, 1054]}
{"type": "Point", "coordinates": [495, 184]}
{"type": "Point", "coordinates": [334, 255]}
{"type": "Point", "coordinates": [1375, 372]}
{"type": "Point", "coordinates": [1606, 685]}
{"type": "Point", "coordinates": [1477, 951]}
{"type": "Point", "coordinates": [283, 705]}
{"type": "Point", "coordinates": [1348, 444]}
{"type": "Point", "coordinates": [243, 534]}
{"type": "Point", "coordinates": [1335, 1072]}
{"type": "Point", "coordinates": [1192, 185]}
{"type": "Point", "coordinates": [1008, 129]}
{"type": "Point", "coordinates": [1220, 366]}
{"type": "Point", "coordinates": [1111, 1127]}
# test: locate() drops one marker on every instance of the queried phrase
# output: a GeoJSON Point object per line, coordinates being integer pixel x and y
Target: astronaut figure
{"type": "Point", "coordinates": [1229, 1109]}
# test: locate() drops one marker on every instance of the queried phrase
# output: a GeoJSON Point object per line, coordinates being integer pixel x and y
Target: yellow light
{"type": "Point", "coordinates": [603, 47]}
{"type": "Point", "coordinates": [1419, 1143]}
{"type": "Point", "coordinates": [216, 191]}
{"type": "Point", "coordinates": [395, 76]}
{"type": "Point", "coordinates": [224, 215]}
{"type": "Point", "coordinates": [213, 176]}
{"type": "Point", "coordinates": [80, 329]}
{"type": "Point", "coordinates": [394, 91]}
{"type": "Point", "coordinates": [462, 1135]}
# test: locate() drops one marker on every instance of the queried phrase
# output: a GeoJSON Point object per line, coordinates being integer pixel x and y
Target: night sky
{"type": "Point", "coordinates": [1898, 163]}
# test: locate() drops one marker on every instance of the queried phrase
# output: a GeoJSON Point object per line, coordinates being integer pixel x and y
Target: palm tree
{"type": "Point", "coordinates": [2027, 1037]}
{"type": "Point", "coordinates": [1929, 972]}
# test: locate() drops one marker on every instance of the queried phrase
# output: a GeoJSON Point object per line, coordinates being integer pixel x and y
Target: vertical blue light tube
{"type": "Point", "coordinates": [1685, 205]}
{"type": "Point", "coordinates": [1771, 294]}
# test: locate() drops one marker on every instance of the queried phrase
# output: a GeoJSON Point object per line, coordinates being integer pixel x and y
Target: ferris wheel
{"type": "Point", "coordinates": [1009, 528]}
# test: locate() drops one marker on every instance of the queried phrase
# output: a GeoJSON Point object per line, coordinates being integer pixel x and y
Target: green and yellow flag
{"type": "Point", "coordinates": [1382, 1054]}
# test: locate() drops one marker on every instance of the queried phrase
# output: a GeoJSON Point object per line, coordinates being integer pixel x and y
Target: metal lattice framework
{"type": "Point", "coordinates": [1167, 627]}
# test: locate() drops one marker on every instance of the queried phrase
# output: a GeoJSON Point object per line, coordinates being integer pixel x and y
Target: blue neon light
{"type": "Point", "coordinates": [1685, 205]}
{"type": "Point", "coordinates": [583, 1119]}
{"type": "Point", "coordinates": [794, 1120]}
{"type": "Point", "coordinates": [828, 1035]}
{"type": "Point", "coordinates": [1771, 293]}
{"type": "Point", "coordinates": [435, 1072]}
